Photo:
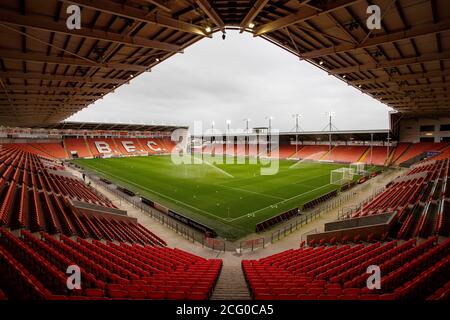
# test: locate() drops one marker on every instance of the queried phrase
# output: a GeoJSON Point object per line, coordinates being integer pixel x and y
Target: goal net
{"type": "Point", "coordinates": [341, 176]}
{"type": "Point", "coordinates": [358, 167]}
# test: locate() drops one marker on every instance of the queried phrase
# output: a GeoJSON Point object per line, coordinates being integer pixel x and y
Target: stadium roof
{"type": "Point", "coordinates": [341, 135]}
{"type": "Point", "coordinates": [66, 125]}
{"type": "Point", "coordinates": [49, 72]}
{"type": "Point", "coordinates": [360, 135]}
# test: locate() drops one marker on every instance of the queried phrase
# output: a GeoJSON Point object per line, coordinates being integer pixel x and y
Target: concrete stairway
{"type": "Point", "coordinates": [231, 285]}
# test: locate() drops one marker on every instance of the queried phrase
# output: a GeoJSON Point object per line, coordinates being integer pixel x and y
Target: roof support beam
{"type": "Point", "coordinates": [414, 98]}
{"type": "Point", "coordinates": [40, 57]}
{"type": "Point", "coordinates": [53, 97]}
{"type": "Point", "coordinates": [404, 77]}
{"type": "Point", "coordinates": [34, 102]}
{"type": "Point", "coordinates": [46, 103]}
{"type": "Point", "coordinates": [60, 106]}
{"type": "Point", "coordinates": [55, 77]}
{"type": "Point", "coordinates": [406, 102]}
{"type": "Point", "coordinates": [417, 101]}
{"type": "Point", "coordinates": [426, 109]}
{"type": "Point", "coordinates": [26, 114]}
{"type": "Point", "coordinates": [429, 89]}
{"type": "Point", "coordinates": [123, 10]}
{"type": "Point", "coordinates": [43, 112]}
{"type": "Point", "coordinates": [17, 87]}
{"type": "Point", "coordinates": [393, 63]}
{"type": "Point", "coordinates": [253, 12]}
{"type": "Point", "coordinates": [414, 32]}
{"type": "Point", "coordinates": [303, 14]}
{"type": "Point", "coordinates": [46, 24]}
{"type": "Point", "coordinates": [426, 86]}
{"type": "Point", "coordinates": [211, 13]}
{"type": "Point", "coordinates": [160, 5]}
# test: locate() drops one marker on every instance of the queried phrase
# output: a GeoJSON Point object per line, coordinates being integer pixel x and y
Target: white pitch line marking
{"type": "Point", "coordinates": [276, 204]}
{"type": "Point", "coordinates": [160, 194]}
{"type": "Point", "coordinates": [203, 161]}
{"type": "Point", "coordinates": [254, 192]}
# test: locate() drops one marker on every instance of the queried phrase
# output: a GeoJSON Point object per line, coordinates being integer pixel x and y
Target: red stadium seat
{"type": "Point", "coordinates": [323, 271]}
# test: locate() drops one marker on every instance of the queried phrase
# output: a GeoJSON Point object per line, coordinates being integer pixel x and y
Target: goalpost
{"type": "Point", "coordinates": [341, 176]}
{"type": "Point", "coordinates": [358, 167]}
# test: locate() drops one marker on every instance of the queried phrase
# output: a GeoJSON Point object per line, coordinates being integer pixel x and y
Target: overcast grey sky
{"type": "Point", "coordinates": [240, 77]}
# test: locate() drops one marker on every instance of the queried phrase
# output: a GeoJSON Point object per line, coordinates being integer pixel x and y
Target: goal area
{"type": "Point", "coordinates": [358, 167]}
{"type": "Point", "coordinates": [341, 176]}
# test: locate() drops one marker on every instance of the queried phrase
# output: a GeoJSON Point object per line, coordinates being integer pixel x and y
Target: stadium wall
{"type": "Point", "coordinates": [425, 130]}
{"type": "Point", "coordinates": [368, 227]}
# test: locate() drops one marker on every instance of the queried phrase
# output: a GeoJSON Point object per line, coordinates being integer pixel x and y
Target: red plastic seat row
{"type": "Point", "coordinates": [45, 260]}
{"type": "Point", "coordinates": [406, 270]}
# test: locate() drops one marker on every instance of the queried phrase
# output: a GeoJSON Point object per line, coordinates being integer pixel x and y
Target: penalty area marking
{"type": "Point", "coordinates": [312, 178]}
{"type": "Point", "coordinates": [253, 214]}
{"type": "Point", "coordinates": [253, 192]}
{"type": "Point", "coordinates": [160, 194]}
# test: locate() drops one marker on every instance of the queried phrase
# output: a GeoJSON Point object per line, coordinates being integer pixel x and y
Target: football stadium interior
{"type": "Point", "coordinates": [108, 201]}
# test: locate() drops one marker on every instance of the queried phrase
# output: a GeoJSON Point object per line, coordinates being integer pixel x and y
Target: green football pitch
{"type": "Point", "coordinates": [229, 198]}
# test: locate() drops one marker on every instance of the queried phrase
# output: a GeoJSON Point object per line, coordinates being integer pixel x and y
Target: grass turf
{"type": "Point", "coordinates": [230, 198]}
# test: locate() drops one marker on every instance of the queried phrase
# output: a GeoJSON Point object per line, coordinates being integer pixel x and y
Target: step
{"type": "Point", "coordinates": [231, 285]}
